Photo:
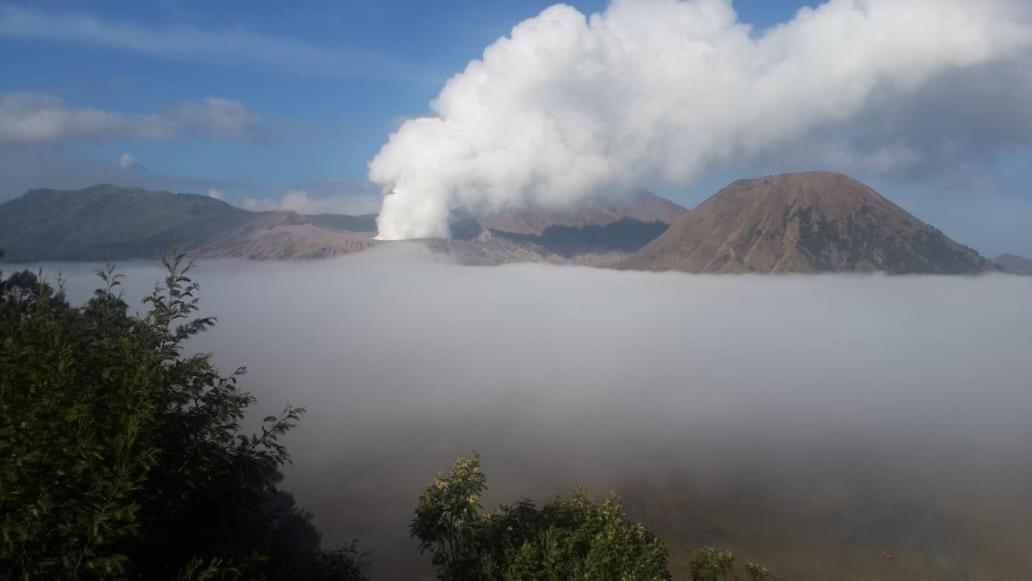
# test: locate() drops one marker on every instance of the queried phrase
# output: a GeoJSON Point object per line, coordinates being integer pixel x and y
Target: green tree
{"type": "Point", "coordinates": [121, 456]}
{"type": "Point", "coordinates": [567, 538]}
{"type": "Point", "coordinates": [709, 564]}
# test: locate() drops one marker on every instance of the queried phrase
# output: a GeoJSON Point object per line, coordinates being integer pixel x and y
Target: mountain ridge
{"type": "Point", "coordinates": [1014, 264]}
{"type": "Point", "coordinates": [107, 221]}
{"type": "Point", "coordinates": [111, 222]}
{"type": "Point", "coordinates": [641, 206]}
{"type": "Point", "coordinates": [804, 222]}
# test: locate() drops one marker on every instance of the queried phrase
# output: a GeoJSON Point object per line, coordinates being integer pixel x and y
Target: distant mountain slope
{"type": "Point", "coordinates": [642, 207]}
{"type": "Point", "coordinates": [344, 222]}
{"type": "Point", "coordinates": [804, 222]}
{"type": "Point", "coordinates": [597, 233]}
{"type": "Point", "coordinates": [486, 250]}
{"type": "Point", "coordinates": [287, 240]}
{"type": "Point", "coordinates": [490, 249]}
{"type": "Point", "coordinates": [625, 235]}
{"type": "Point", "coordinates": [112, 222]}
{"type": "Point", "coordinates": [1014, 264]}
{"type": "Point", "coordinates": [811, 222]}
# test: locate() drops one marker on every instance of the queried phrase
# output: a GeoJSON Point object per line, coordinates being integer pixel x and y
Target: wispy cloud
{"type": "Point", "coordinates": [230, 46]}
{"type": "Point", "coordinates": [128, 161]}
{"type": "Point", "coordinates": [35, 118]}
{"type": "Point", "coordinates": [223, 118]}
{"type": "Point", "coordinates": [302, 202]}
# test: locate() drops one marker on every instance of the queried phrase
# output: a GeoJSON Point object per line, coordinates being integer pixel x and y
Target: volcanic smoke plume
{"type": "Point", "coordinates": [653, 91]}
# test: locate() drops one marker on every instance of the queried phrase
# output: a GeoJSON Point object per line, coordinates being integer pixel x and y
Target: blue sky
{"type": "Point", "coordinates": [320, 87]}
{"type": "Point", "coordinates": [384, 60]}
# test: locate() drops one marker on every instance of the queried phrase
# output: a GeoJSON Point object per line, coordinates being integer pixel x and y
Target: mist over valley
{"type": "Point", "coordinates": [604, 290]}
{"type": "Point", "coordinates": [808, 422]}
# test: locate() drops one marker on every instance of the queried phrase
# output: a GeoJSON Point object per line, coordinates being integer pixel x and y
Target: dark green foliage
{"type": "Point", "coordinates": [449, 520]}
{"type": "Point", "coordinates": [72, 414]}
{"type": "Point", "coordinates": [121, 456]}
{"type": "Point", "coordinates": [709, 564]}
{"type": "Point", "coordinates": [567, 538]}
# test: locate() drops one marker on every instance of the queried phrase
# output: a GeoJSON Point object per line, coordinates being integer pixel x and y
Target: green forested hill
{"type": "Point", "coordinates": [107, 221]}
{"type": "Point", "coordinates": [117, 223]}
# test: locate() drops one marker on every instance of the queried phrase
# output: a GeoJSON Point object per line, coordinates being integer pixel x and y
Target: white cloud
{"type": "Point", "coordinates": [229, 46]}
{"type": "Point", "coordinates": [302, 202]}
{"type": "Point", "coordinates": [570, 106]}
{"type": "Point", "coordinates": [217, 194]}
{"type": "Point", "coordinates": [127, 161]}
{"type": "Point", "coordinates": [35, 118]}
{"type": "Point", "coordinates": [225, 119]}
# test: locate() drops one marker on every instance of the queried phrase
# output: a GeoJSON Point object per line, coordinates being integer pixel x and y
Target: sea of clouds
{"type": "Point", "coordinates": [807, 421]}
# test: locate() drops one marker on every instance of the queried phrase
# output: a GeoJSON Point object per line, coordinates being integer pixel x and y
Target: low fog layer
{"type": "Point", "coordinates": [808, 422]}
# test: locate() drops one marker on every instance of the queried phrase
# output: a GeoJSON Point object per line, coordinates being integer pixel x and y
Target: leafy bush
{"type": "Point", "coordinates": [709, 564]}
{"type": "Point", "coordinates": [121, 456]}
{"type": "Point", "coordinates": [567, 538]}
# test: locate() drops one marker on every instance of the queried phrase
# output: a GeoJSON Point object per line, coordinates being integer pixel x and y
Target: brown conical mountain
{"type": "Point", "coordinates": [804, 222]}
